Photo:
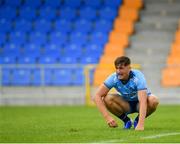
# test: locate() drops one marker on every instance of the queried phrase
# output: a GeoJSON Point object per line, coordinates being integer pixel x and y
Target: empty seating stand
{"type": "Point", "coordinates": [170, 74]}
{"type": "Point", "coordinates": [57, 32]}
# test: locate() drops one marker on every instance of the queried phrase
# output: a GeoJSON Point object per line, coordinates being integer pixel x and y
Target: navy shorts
{"type": "Point", "coordinates": [133, 107]}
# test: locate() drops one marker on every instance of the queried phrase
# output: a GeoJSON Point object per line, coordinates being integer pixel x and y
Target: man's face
{"type": "Point", "coordinates": [123, 71]}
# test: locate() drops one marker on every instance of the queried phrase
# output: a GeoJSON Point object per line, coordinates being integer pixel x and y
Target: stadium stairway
{"type": "Point", "coordinates": [151, 44]}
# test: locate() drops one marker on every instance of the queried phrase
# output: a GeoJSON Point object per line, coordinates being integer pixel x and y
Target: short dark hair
{"type": "Point", "coordinates": [123, 60]}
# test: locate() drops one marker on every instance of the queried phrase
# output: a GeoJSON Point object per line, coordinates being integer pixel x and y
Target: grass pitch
{"type": "Point", "coordinates": [83, 124]}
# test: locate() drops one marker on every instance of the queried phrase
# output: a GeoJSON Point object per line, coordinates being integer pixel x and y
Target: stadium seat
{"type": "Point", "coordinates": [13, 3]}
{"type": "Point", "coordinates": [98, 38]}
{"type": "Point", "coordinates": [78, 76]}
{"type": "Point", "coordinates": [28, 13]}
{"type": "Point", "coordinates": [8, 59]}
{"type": "Point", "coordinates": [42, 26]}
{"type": "Point", "coordinates": [5, 26]}
{"type": "Point", "coordinates": [36, 77]}
{"type": "Point", "coordinates": [102, 26]}
{"type": "Point", "coordinates": [82, 26]}
{"type": "Point", "coordinates": [8, 13]}
{"type": "Point", "coordinates": [33, 3]}
{"type": "Point", "coordinates": [47, 13]}
{"type": "Point", "coordinates": [107, 13]}
{"type": "Point", "coordinates": [92, 3]}
{"type": "Point", "coordinates": [21, 77]}
{"type": "Point", "coordinates": [67, 13]}
{"type": "Point", "coordinates": [17, 38]}
{"type": "Point", "coordinates": [89, 59]}
{"type": "Point", "coordinates": [63, 26]}
{"type": "Point", "coordinates": [27, 59]}
{"type": "Point", "coordinates": [48, 59]}
{"type": "Point", "coordinates": [72, 3]}
{"type": "Point", "coordinates": [37, 38]}
{"type": "Point", "coordinates": [93, 49]}
{"type": "Point", "coordinates": [62, 76]}
{"type": "Point", "coordinates": [88, 13]}
{"type": "Point", "coordinates": [31, 48]}
{"type": "Point", "coordinates": [48, 76]}
{"type": "Point", "coordinates": [54, 4]}
{"type": "Point", "coordinates": [23, 25]}
{"type": "Point", "coordinates": [3, 39]}
{"type": "Point", "coordinates": [113, 3]}
{"type": "Point", "coordinates": [78, 38]}
{"type": "Point", "coordinates": [11, 49]}
{"type": "Point", "coordinates": [123, 26]}
{"type": "Point", "coordinates": [6, 76]}
{"type": "Point", "coordinates": [57, 38]}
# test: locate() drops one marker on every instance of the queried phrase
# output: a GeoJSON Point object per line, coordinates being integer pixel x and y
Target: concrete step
{"type": "Point", "coordinates": [161, 1]}
{"type": "Point", "coordinates": [167, 27]}
{"type": "Point", "coordinates": [172, 7]}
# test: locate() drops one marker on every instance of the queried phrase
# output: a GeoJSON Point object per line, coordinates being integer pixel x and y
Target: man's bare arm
{"type": "Point", "coordinates": [102, 92]}
{"type": "Point", "coordinates": [142, 96]}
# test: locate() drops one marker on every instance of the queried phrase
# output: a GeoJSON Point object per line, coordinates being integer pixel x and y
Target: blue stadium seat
{"type": "Point", "coordinates": [11, 49]}
{"type": "Point", "coordinates": [113, 3]}
{"type": "Point", "coordinates": [93, 3]}
{"type": "Point", "coordinates": [107, 13]}
{"type": "Point", "coordinates": [48, 59]}
{"type": "Point", "coordinates": [72, 3]}
{"type": "Point", "coordinates": [78, 76]}
{"type": "Point", "coordinates": [58, 38]}
{"type": "Point", "coordinates": [6, 76]}
{"type": "Point", "coordinates": [21, 77]}
{"type": "Point", "coordinates": [68, 13]}
{"type": "Point", "coordinates": [36, 77]}
{"type": "Point", "coordinates": [63, 26]}
{"type": "Point", "coordinates": [8, 59]}
{"type": "Point", "coordinates": [53, 3]}
{"type": "Point", "coordinates": [98, 38]}
{"type": "Point", "coordinates": [62, 76]}
{"type": "Point", "coordinates": [42, 26]}
{"type": "Point", "coordinates": [103, 26]}
{"type": "Point", "coordinates": [23, 25]}
{"type": "Point", "coordinates": [32, 49]}
{"type": "Point", "coordinates": [5, 26]}
{"type": "Point", "coordinates": [48, 76]}
{"type": "Point", "coordinates": [8, 13]}
{"type": "Point", "coordinates": [88, 13]}
{"type": "Point", "coordinates": [38, 38]}
{"type": "Point", "coordinates": [73, 49]}
{"type": "Point", "coordinates": [89, 59]}
{"type": "Point", "coordinates": [33, 3]}
{"type": "Point", "coordinates": [13, 3]}
{"type": "Point", "coordinates": [27, 13]}
{"type": "Point", "coordinates": [93, 49]}
{"type": "Point", "coordinates": [27, 59]}
{"type": "Point", "coordinates": [47, 13]}
{"type": "Point", "coordinates": [78, 38]}
{"type": "Point", "coordinates": [82, 26]}
{"type": "Point", "coordinates": [17, 38]}
{"type": "Point", "coordinates": [3, 39]}
{"type": "Point", "coordinates": [52, 49]}
{"type": "Point", "coordinates": [69, 59]}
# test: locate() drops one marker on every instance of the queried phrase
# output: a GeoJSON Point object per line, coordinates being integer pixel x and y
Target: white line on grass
{"type": "Point", "coordinates": [161, 135]}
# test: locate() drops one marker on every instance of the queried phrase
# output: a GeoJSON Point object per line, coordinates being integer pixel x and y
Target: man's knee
{"type": "Point", "coordinates": [108, 100]}
{"type": "Point", "coordinates": [153, 102]}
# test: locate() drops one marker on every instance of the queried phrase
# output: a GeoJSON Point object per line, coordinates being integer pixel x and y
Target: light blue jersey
{"type": "Point", "coordinates": [129, 89]}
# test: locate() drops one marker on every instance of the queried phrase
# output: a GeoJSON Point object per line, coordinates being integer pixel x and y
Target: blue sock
{"type": "Point", "coordinates": [124, 118]}
{"type": "Point", "coordinates": [137, 118]}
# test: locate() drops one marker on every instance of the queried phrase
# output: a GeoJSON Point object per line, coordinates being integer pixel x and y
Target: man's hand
{"type": "Point", "coordinates": [111, 122]}
{"type": "Point", "coordinates": [139, 128]}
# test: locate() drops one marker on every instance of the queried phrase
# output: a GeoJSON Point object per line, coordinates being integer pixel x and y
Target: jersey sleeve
{"type": "Point", "coordinates": [141, 82]}
{"type": "Point", "coordinates": [109, 82]}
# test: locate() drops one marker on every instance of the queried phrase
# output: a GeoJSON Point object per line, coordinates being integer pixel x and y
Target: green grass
{"type": "Point", "coordinates": [82, 124]}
